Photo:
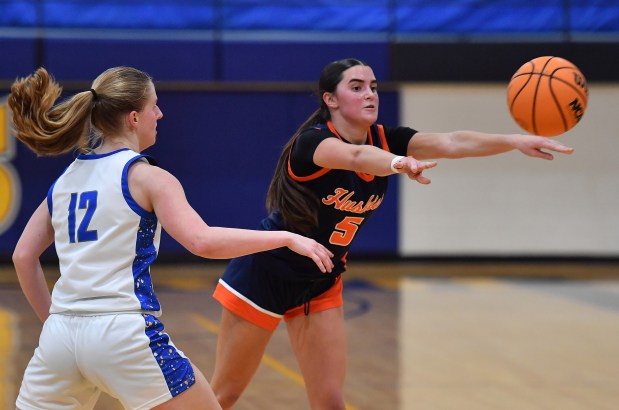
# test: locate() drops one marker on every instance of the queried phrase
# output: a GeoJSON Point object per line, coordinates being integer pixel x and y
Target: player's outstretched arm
{"type": "Point", "coordinates": [462, 144]}
{"type": "Point", "coordinates": [335, 154]}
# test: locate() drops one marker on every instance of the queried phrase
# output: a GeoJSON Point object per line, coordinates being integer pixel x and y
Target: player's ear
{"type": "Point", "coordinates": [330, 100]}
{"type": "Point", "coordinates": [132, 119]}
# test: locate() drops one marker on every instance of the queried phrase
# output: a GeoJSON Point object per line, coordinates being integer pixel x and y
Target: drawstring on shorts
{"type": "Point", "coordinates": [306, 297]}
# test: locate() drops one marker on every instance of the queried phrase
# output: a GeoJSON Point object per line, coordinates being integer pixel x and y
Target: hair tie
{"type": "Point", "coordinates": [95, 97]}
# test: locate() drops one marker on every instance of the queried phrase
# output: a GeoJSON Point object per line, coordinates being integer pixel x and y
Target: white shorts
{"type": "Point", "coordinates": [128, 356]}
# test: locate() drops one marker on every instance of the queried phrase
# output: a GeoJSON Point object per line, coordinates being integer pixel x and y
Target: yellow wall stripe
{"type": "Point", "coordinates": [4, 129]}
{"type": "Point", "coordinates": [6, 349]}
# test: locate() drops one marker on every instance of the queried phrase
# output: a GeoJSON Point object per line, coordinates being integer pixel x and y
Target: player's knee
{"type": "Point", "coordinates": [331, 400]}
{"type": "Point", "coordinates": [227, 398]}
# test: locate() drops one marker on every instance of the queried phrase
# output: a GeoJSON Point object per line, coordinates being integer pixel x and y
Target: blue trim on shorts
{"type": "Point", "coordinates": [176, 368]}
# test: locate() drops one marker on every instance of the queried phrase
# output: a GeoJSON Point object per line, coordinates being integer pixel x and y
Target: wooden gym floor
{"type": "Point", "coordinates": [421, 336]}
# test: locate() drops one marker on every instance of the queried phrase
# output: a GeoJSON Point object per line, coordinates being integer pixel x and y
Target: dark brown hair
{"type": "Point", "coordinates": [297, 205]}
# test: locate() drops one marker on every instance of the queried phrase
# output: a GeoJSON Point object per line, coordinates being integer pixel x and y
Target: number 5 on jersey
{"type": "Point", "coordinates": [345, 230]}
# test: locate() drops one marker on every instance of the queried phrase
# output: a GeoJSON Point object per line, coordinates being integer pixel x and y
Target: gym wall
{"type": "Point", "coordinates": [231, 99]}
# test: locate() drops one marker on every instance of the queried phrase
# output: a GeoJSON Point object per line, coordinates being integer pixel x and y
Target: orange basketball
{"type": "Point", "coordinates": [547, 96]}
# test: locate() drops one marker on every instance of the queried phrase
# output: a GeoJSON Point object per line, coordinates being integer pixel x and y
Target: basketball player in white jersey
{"type": "Point", "coordinates": [104, 215]}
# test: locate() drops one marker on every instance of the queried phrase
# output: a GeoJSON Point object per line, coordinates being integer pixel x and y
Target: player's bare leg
{"type": "Point", "coordinates": [319, 343]}
{"type": "Point", "coordinates": [240, 348]}
{"type": "Point", "coordinates": [200, 396]}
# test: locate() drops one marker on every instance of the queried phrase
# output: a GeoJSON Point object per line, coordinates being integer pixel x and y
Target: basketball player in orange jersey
{"type": "Point", "coordinates": [330, 178]}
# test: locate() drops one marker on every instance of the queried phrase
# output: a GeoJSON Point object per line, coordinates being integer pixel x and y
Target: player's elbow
{"type": "Point", "coordinates": [22, 256]}
{"type": "Point", "coordinates": [453, 145]}
{"type": "Point", "coordinates": [201, 246]}
{"type": "Point", "coordinates": [206, 247]}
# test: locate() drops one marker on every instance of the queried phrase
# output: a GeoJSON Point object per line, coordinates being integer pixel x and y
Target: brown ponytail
{"type": "Point", "coordinates": [80, 121]}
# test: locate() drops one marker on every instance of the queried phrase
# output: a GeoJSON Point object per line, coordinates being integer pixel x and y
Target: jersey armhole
{"type": "Point", "coordinates": [124, 183]}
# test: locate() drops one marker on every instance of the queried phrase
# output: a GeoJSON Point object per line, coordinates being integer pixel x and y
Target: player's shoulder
{"type": "Point", "coordinates": [144, 170]}
{"type": "Point", "coordinates": [316, 129]}
{"type": "Point", "coordinates": [316, 132]}
{"type": "Point", "coordinates": [399, 132]}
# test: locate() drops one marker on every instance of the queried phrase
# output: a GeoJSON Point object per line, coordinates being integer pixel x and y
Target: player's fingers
{"type": "Point", "coordinates": [417, 166]}
{"type": "Point", "coordinates": [419, 177]}
{"type": "Point", "coordinates": [326, 262]}
{"type": "Point", "coordinates": [422, 180]}
{"type": "Point", "coordinates": [428, 165]}
{"type": "Point", "coordinates": [561, 148]}
{"type": "Point", "coordinates": [325, 255]}
{"type": "Point", "coordinates": [538, 153]}
{"type": "Point", "coordinates": [326, 250]}
{"type": "Point", "coordinates": [319, 263]}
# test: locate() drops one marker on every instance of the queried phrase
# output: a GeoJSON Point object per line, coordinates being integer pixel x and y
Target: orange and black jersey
{"type": "Point", "coordinates": [272, 283]}
{"type": "Point", "coordinates": [347, 198]}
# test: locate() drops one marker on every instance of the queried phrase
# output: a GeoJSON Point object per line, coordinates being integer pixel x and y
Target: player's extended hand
{"type": "Point", "coordinates": [414, 168]}
{"type": "Point", "coordinates": [534, 146]}
{"type": "Point", "coordinates": [314, 250]}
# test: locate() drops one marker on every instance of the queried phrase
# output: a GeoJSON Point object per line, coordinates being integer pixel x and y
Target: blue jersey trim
{"type": "Point", "coordinates": [145, 255]}
{"type": "Point", "coordinates": [124, 183]}
{"type": "Point", "coordinates": [92, 156]}
{"type": "Point", "coordinates": [176, 368]}
{"type": "Point", "coordinates": [145, 249]}
{"type": "Point", "coordinates": [50, 200]}
{"type": "Point", "coordinates": [50, 192]}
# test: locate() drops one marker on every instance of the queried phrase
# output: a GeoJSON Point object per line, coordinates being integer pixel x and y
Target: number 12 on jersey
{"type": "Point", "coordinates": [87, 201]}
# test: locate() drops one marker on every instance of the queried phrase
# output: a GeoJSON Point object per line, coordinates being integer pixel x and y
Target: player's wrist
{"type": "Point", "coordinates": [396, 166]}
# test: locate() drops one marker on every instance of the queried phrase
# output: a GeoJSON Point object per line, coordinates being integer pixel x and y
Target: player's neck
{"type": "Point", "coordinates": [355, 134]}
{"type": "Point", "coordinates": [115, 144]}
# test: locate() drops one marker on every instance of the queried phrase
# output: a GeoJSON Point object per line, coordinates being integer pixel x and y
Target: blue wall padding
{"type": "Point", "coordinates": [223, 147]}
{"type": "Point", "coordinates": [262, 61]}
{"type": "Point", "coordinates": [75, 59]}
{"type": "Point", "coordinates": [71, 59]}
{"type": "Point", "coordinates": [18, 57]}
{"type": "Point", "coordinates": [395, 17]}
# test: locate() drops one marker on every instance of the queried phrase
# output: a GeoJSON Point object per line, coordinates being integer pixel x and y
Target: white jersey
{"type": "Point", "coordinates": [104, 240]}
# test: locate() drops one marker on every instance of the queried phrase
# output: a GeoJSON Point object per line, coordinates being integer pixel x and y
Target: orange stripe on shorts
{"type": "Point", "coordinates": [244, 308]}
{"type": "Point", "coordinates": [332, 298]}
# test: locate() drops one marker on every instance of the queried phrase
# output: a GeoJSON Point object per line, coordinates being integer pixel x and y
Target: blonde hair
{"type": "Point", "coordinates": [83, 119]}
